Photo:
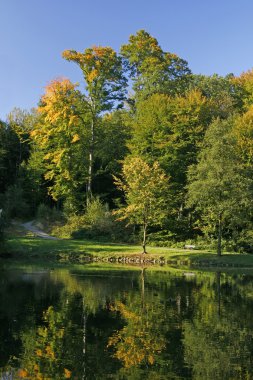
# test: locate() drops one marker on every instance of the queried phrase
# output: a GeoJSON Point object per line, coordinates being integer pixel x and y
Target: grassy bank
{"type": "Point", "coordinates": [76, 251]}
{"type": "Point", "coordinates": [24, 245]}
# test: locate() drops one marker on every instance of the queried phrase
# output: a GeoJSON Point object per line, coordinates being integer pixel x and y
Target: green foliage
{"type": "Point", "coordinates": [244, 242]}
{"type": "Point", "coordinates": [151, 69]}
{"type": "Point", "coordinates": [62, 134]}
{"type": "Point", "coordinates": [105, 89]}
{"type": "Point", "coordinates": [112, 137]}
{"type": "Point", "coordinates": [218, 187]}
{"type": "Point", "coordinates": [15, 204]}
{"type": "Point", "coordinates": [146, 194]}
{"type": "Point", "coordinates": [170, 131]}
{"type": "Point", "coordinates": [244, 87]}
{"type": "Point", "coordinates": [222, 92]}
{"type": "Point", "coordinates": [96, 223]}
{"type": "Point", "coordinates": [243, 134]}
{"type": "Point", "coordinates": [68, 150]}
{"type": "Point", "coordinates": [103, 74]}
{"type": "Point", "coordinates": [10, 156]}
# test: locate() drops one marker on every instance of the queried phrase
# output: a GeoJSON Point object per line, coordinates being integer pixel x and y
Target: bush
{"type": "Point", "coordinates": [97, 223]}
{"type": "Point", "coordinates": [168, 239]}
{"type": "Point", "coordinates": [74, 224]}
{"type": "Point", "coordinates": [244, 243]}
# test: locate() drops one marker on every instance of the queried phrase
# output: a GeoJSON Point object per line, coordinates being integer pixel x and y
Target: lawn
{"type": "Point", "coordinates": [30, 247]}
{"type": "Point", "coordinates": [24, 245]}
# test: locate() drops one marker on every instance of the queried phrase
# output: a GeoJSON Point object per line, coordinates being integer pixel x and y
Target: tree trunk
{"type": "Point", "coordinates": [144, 238]}
{"type": "Point", "coordinates": [90, 168]}
{"type": "Point", "coordinates": [219, 236]}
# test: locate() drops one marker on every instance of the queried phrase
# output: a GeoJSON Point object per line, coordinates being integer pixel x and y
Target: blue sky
{"type": "Point", "coordinates": [213, 36]}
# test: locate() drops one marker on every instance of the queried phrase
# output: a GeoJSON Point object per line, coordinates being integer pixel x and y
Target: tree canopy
{"type": "Point", "coordinates": [179, 144]}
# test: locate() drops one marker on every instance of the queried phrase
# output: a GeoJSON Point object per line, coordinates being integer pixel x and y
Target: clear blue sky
{"type": "Point", "coordinates": [213, 36]}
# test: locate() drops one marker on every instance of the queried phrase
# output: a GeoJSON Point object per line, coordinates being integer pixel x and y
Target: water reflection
{"type": "Point", "coordinates": [89, 323]}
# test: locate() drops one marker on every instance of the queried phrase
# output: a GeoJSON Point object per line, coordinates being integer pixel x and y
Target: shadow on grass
{"type": "Point", "coordinates": [25, 247]}
{"type": "Point", "coordinates": [28, 245]}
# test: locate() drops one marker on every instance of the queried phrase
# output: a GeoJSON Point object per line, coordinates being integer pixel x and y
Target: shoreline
{"type": "Point", "coordinates": [81, 252]}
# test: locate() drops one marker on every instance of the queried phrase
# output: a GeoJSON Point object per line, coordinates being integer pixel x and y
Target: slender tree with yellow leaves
{"type": "Point", "coordinates": [105, 88]}
{"type": "Point", "coordinates": [146, 193]}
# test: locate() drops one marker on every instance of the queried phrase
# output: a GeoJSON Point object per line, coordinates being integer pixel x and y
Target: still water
{"type": "Point", "coordinates": [95, 323]}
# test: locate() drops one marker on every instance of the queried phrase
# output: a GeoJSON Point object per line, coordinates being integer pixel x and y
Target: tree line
{"type": "Point", "coordinates": [145, 147]}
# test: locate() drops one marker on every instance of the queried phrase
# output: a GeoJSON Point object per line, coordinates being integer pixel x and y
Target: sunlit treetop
{"type": "Point", "coordinates": [150, 67]}
{"type": "Point", "coordinates": [243, 131]}
{"type": "Point", "coordinates": [103, 73]}
{"type": "Point", "coordinates": [59, 102]}
{"type": "Point", "coordinates": [245, 84]}
{"type": "Point", "coordinates": [141, 47]}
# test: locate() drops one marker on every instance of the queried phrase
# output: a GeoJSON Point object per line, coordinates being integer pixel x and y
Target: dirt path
{"type": "Point", "coordinates": [30, 227]}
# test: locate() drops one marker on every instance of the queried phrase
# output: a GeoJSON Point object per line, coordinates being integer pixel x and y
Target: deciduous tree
{"type": "Point", "coordinates": [105, 88]}
{"type": "Point", "coordinates": [217, 186]}
{"type": "Point", "coordinates": [152, 69]}
{"type": "Point", "coordinates": [63, 135]}
{"type": "Point", "coordinates": [146, 194]}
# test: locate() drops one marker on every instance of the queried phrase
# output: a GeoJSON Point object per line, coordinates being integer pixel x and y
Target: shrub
{"type": "Point", "coordinates": [245, 242]}
{"type": "Point", "coordinates": [96, 223]}
{"type": "Point", "coordinates": [74, 224]}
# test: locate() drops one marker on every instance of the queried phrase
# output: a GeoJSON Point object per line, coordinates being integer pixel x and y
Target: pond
{"type": "Point", "coordinates": [91, 322]}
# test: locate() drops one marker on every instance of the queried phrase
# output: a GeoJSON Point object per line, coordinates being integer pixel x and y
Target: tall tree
{"type": "Point", "coordinates": [222, 93]}
{"type": "Point", "coordinates": [217, 186]}
{"type": "Point", "coordinates": [63, 135]}
{"type": "Point", "coordinates": [170, 130]}
{"type": "Point", "coordinates": [113, 134]}
{"type": "Point", "coordinates": [105, 88]}
{"type": "Point", "coordinates": [151, 69]}
{"type": "Point", "coordinates": [14, 154]}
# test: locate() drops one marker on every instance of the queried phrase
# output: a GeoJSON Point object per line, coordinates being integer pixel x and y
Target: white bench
{"type": "Point", "coordinates": [189, 246]}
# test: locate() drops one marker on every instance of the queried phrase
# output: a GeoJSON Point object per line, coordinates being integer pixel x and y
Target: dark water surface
{"type": "Point", "coordinates": [94, 323]}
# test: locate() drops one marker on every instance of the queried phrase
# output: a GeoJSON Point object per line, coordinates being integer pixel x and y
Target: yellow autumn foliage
{"type": "Point", "coordinates": [23, 373]}
{"type": "Point", "coordinates": [75, 138]}
{"type": "Point", "coordinates": [92, 75]}
{"type": "Point", "coordinates": [67, 373]}
{"type": "Point", "coordinates": [39, 352]}
{"type": "Point", "coordinates": [243, 132]}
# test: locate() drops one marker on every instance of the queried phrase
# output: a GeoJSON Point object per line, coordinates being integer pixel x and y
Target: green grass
{"type": "Point", "coordinates": [33, 246]}
{"type": "Point", "coordinates": [29, 247]}
{"type": "Point", "coordinates": [24, 245]}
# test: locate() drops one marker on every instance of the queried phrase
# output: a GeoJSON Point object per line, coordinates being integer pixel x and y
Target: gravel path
{"type": "Point", "coordinates": [30, 227]}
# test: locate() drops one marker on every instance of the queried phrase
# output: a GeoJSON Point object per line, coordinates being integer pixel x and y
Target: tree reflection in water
{"type": "Point", "coordinates": [118, 324]}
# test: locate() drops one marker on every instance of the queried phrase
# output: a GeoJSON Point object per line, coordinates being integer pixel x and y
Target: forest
{"type": "Point", "coordinates": [143, 151]}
